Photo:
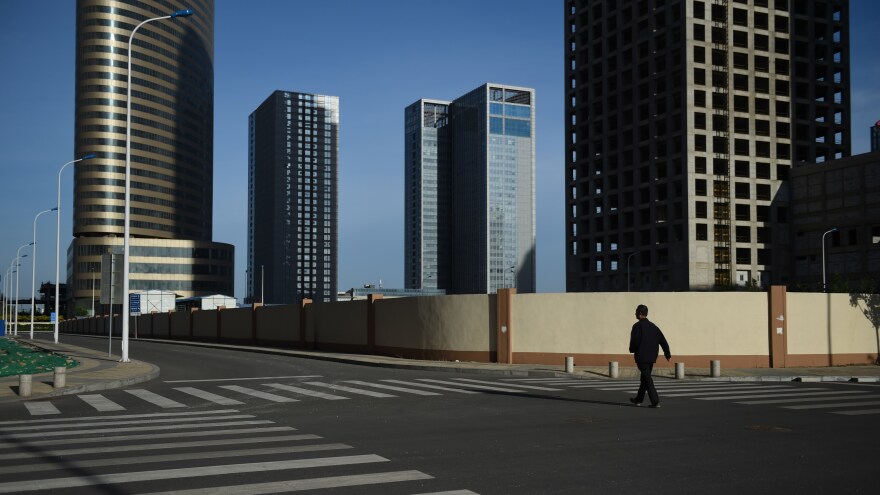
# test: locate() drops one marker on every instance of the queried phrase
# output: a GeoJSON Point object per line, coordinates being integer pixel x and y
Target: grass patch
{"type": "Point", "coordinates": [20, 359]}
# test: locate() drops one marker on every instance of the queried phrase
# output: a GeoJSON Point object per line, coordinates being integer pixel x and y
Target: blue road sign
{"type": "Point", "coordinates": [134, 304]}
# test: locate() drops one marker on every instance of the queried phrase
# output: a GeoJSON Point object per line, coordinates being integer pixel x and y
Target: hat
{"type": "Point", "coordinates": [642, 310]}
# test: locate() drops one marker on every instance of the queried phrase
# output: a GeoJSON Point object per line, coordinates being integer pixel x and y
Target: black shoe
{"type": "Point", "coordinates": [636, 402]}
{"type": "Point", "coordinates": [654, 406]}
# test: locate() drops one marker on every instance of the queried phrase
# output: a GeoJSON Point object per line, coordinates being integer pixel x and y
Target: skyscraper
{"type": "Point", "coordinates": [292, 198]}
{"type": "Point", "coordinates": [683, 119]}
{"type": "Point", "coordinates": [171, 148]}
{"type": "Point", "coordinates": [470, 193]}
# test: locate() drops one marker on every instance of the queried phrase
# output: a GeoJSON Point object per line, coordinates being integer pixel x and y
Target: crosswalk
{"type": "Point", "coordinates": [304, 389]}
{"type": "Point", "coordinates": [218, 451]}
{"type": "Point", "coordinates": [786, 396]}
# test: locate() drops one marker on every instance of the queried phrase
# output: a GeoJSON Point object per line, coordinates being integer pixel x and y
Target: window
{"type": "Point", "coordinates": [701, 209]}
{"type": "Point", "coordinates": [702, 232]}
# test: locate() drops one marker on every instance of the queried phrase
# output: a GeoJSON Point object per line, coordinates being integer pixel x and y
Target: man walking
{"type": "Point", "coordinates": [643, 343]}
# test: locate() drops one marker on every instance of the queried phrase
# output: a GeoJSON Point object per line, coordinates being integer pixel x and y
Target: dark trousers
{"type": "Point", "coordinates": [646, 383]}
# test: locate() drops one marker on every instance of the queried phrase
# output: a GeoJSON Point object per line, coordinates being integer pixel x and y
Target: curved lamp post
{"type": "Point", "coordinates": [18, 256]}
{"type": "Point", "coordinates": [127, 221]}
{"type": "Point", "coordinates": [34, 268]}
{"type": "Point", "coordinates": [824, 285]}
{"type": "Point", "coordinates": [58, 242]}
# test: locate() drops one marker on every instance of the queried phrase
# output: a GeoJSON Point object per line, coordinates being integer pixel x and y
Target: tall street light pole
{"type": "Point", "coordinates": [18, 256]}
{"type": "Point", "coordinates": [58, 243]}
{"type": "Point", "coordinates": [126, 234]}
{"type": "Point", "coordinates": [824, 285]}
{"type": "Point", "coordinates": [34, 268]}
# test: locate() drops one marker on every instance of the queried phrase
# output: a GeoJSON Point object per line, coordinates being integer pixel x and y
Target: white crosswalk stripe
{"type": "Point", "coordinates": [473, 385]}
{"type": "Point", "coordinates": [350, 390]}
{"type": "Point", "coordinates": [392, 387]}
{"type": "Point", "coordinates": [432, 387]}
{"type": "Point", "coordinates": [807, 399]}
{"type": "Point", "coordinates": [305, 391]}
{"type": "Point", "coordinates": [112, 460]}
{"type": "Point", "coordinates": [529, 387]}
{"type": "Point", "coordinates": [209, 396]}
{"type": "Point", "coordinates": [155, 398]}
{"type": "Point", "coordinates": [787, 394]}
{"type": "Point", "coordinates": [258, 393]}
{"type": "Point", "coordinates": [101, 403]}
{"type": "Point", "coordinates": [858, 413]}
{"type": "Point", "coordinates": [41, 408]}
{"type": "Point", "coordinates": [835, 405]}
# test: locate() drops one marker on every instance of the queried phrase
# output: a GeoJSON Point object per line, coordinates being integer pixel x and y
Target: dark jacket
{"type": "Point", "coordinates": [644, 340]}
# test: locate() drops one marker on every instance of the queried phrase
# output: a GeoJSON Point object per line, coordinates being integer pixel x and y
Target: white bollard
{"type": "Point", "coordinates": [679, 371]}
{"type": "Point", "coordinates": [613, 370]}
{"type": "Point", "coordinates": [24, 385]}
{"type": "Point", "coordinates": [715, 368]}
{"type": "Point", "coordinates": [60, 377]}
{"type": "Point", "coordinates": [569, 364]}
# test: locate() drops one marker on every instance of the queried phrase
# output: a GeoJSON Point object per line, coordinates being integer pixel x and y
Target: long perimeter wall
{"type": "Point", "coordinates": [743, 329]}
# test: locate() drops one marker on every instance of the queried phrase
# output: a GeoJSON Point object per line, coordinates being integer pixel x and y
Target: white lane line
{"type": "Point", "coordinates": [392, 387]}
{"type": "Point", "coordinates": [858, 413]}
{"type": "Point", "coordinates": [172, 474]}
{"type": "Point", "coordinates": [116, 422]}
{"type": "Point", "coordinates": [257, 393]}
{"type": "Point", "coordinates": [208, 396]}
{"type": "Point", "coordinates": [710, 389]}
{"type": "Point", "coordinates": [164, 446]}
{"type": "Point", "coordinates": [836, 405]}
{"type": "Point", "coordinates": [153, 436]}
{"type": "Point", "coordinates": [244, 379]}
{"type": "Point", "coordinates": [126, 416]}
{"type": "Point", "coordinates": [451, 492]}
{"type": "Point", "coordinates": [470, 385]}
{"type": "Point", "coordinates": [529, 387]}
{"type": "Point", "coordinates": [101, 403]}
{"type": "Point", "coordinates": [432, 387]}
{"type": "Point", "coordinates": [807, 399]}
{"type": "Point", "coordinates": [305, 484]}
{"type": "Point", "coordinates": [350, 390]}
{"type": "Point", "coordinates": [305, 391]}
{"type": "Point", "coordinates": [713, 386]}
{"type": "Point", "coordinates": [142, 459]}
{"type": "Point", "coordinates": [770, 396]}
{"type": "Point", "coordinates": [155, 398]}
{"type": "Point", "coordinates": [607, 384]}
{"type": "Point", "coordinates": [41, 408]}
{"type": "Point", "coordinates": [546, 380]}
{"type": "Point", "coordinates": [102, 431]}
{"type": "Point", "coordinates": [778, 392]}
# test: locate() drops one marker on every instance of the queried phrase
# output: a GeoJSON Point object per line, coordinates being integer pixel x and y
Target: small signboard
{"type": "Point", "coordinates": [134, 304]}
{"type": "Point", "coordinates": [52, 318]}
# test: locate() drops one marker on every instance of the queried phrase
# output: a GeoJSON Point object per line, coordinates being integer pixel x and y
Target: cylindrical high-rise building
{"type": "Point", "coordinates": [172, 118]}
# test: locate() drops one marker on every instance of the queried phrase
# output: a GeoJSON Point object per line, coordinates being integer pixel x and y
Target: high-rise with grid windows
{"type": "Point", "coordinates": [683, 120]}
{"type": "Point", "coordinates": [470, 192]}
{"type": "Point", "coordinates": [293, 199]}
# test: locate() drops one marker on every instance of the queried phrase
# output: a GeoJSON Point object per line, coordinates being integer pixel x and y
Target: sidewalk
{"type": "Point", "coordinates": [97, 371]}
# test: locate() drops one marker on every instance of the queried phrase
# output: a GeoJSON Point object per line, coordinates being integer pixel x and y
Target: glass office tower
{"type": "Point", "coordinates": [488, 207]}
{"type": "Point", "coordinates": [171, 148]}
{"type": "Point", "coordinates": [293, 198]}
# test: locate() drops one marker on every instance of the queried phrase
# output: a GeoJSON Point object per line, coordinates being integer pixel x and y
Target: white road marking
{"type": "Point", "coordinates": [777, 392]}
{"type": "Point", "coordinates": [305, 391]}
{"type": "Point", "coordinates": [530, 387]}
{"type": "Point", "coordinates": [41, 408]}
{"type": "Point", "coordinates": [835, 405]}
{"type": "Point", "coordinates": [392, 387]}
{"type": "Point", "coordinates": [155, 398]}
{"type": "Point", "coordinates": [208, 396]}
{"type": "Point", "coordinates": [808, 399]}
{"type": "Point", "coordinates": [119, 421]}
{"type": "Point", "coordinates": [432, 387]}
{"type": "Point", "coordinates": [350, 390]}
{"type": "Point", "coordinates": [469, 385]}
{"type": "Point", "coordinates": [777, 395]}
{"type": "Point", "coordinates": [103, 431]}
{"type": "Point", "coordinates": [858, 413]}
{"type": "Point", "coordinates": [257, 393]}
{"type": "Point", "coordinates": [101, 403]}
{"type": "Point", "coordinates": [126, 416]}
{"type": "Point", "coordinates": [243, 379]}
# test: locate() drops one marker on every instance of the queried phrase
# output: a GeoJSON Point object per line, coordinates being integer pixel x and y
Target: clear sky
{"type": "Point", "coordinates": [378, 56]}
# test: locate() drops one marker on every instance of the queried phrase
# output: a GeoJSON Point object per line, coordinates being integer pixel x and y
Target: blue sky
{"type": "Point", "coordinates": [377, 56]}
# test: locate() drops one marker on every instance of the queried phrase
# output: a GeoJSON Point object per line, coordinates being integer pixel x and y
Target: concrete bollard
{"type": "Point", "coordinates": [24, 385]}
{"type": "Point", "coordinates": [679, 371]}
{"type": "Point", "coordinates": [715, 368]}
{"type": "Point", "coordinates": [613, 370]}
{"type": "Point", "coordinates": [569, 364]}
{"type": "Point", "coordinates": [60, 378]}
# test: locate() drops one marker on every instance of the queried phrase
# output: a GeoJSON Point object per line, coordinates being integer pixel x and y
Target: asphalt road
{"type": "Point", "coordinates": [253, 423]}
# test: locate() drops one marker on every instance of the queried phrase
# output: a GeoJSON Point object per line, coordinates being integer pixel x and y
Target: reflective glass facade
{"type": "Point", "coordinates": [292, 198]}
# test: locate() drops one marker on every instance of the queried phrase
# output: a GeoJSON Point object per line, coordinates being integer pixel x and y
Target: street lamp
{"type": "Point", "coordinates": [627, 268]}
{"type": "Point", "coordinates": [34, 268]}
{"type": "Point", "coordinates": [824, 285]}
{"type": "Point", "coordinates": [127, 221]}
{"type": "Point", "coordinates": [18, 256]}
{"type": "Point", "coordinates": [58, 242]}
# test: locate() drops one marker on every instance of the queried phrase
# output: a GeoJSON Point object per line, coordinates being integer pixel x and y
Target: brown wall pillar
{"type": "Point", "coordinates": [371, 321]}
{"type": "Point", "coordinates": [254, 307]}
{"type": "Point", "coordinates": [302, 325]}
{"type": "Point", "coordinates": [778, 327]}
{"type": "Point", "coordinates": [503, 329]}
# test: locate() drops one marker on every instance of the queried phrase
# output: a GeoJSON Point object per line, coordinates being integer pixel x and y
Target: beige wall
{"type": "Point", "coordinates": [278, 323]}
{"type": "Point", "coordinates": [819, 324]}
{"type": "Point", "coordinates": [338, 323]}
{"type": "Point", "coordinates": [237, 324]}
{"type": "Point", "coordinates": [447, 323]}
